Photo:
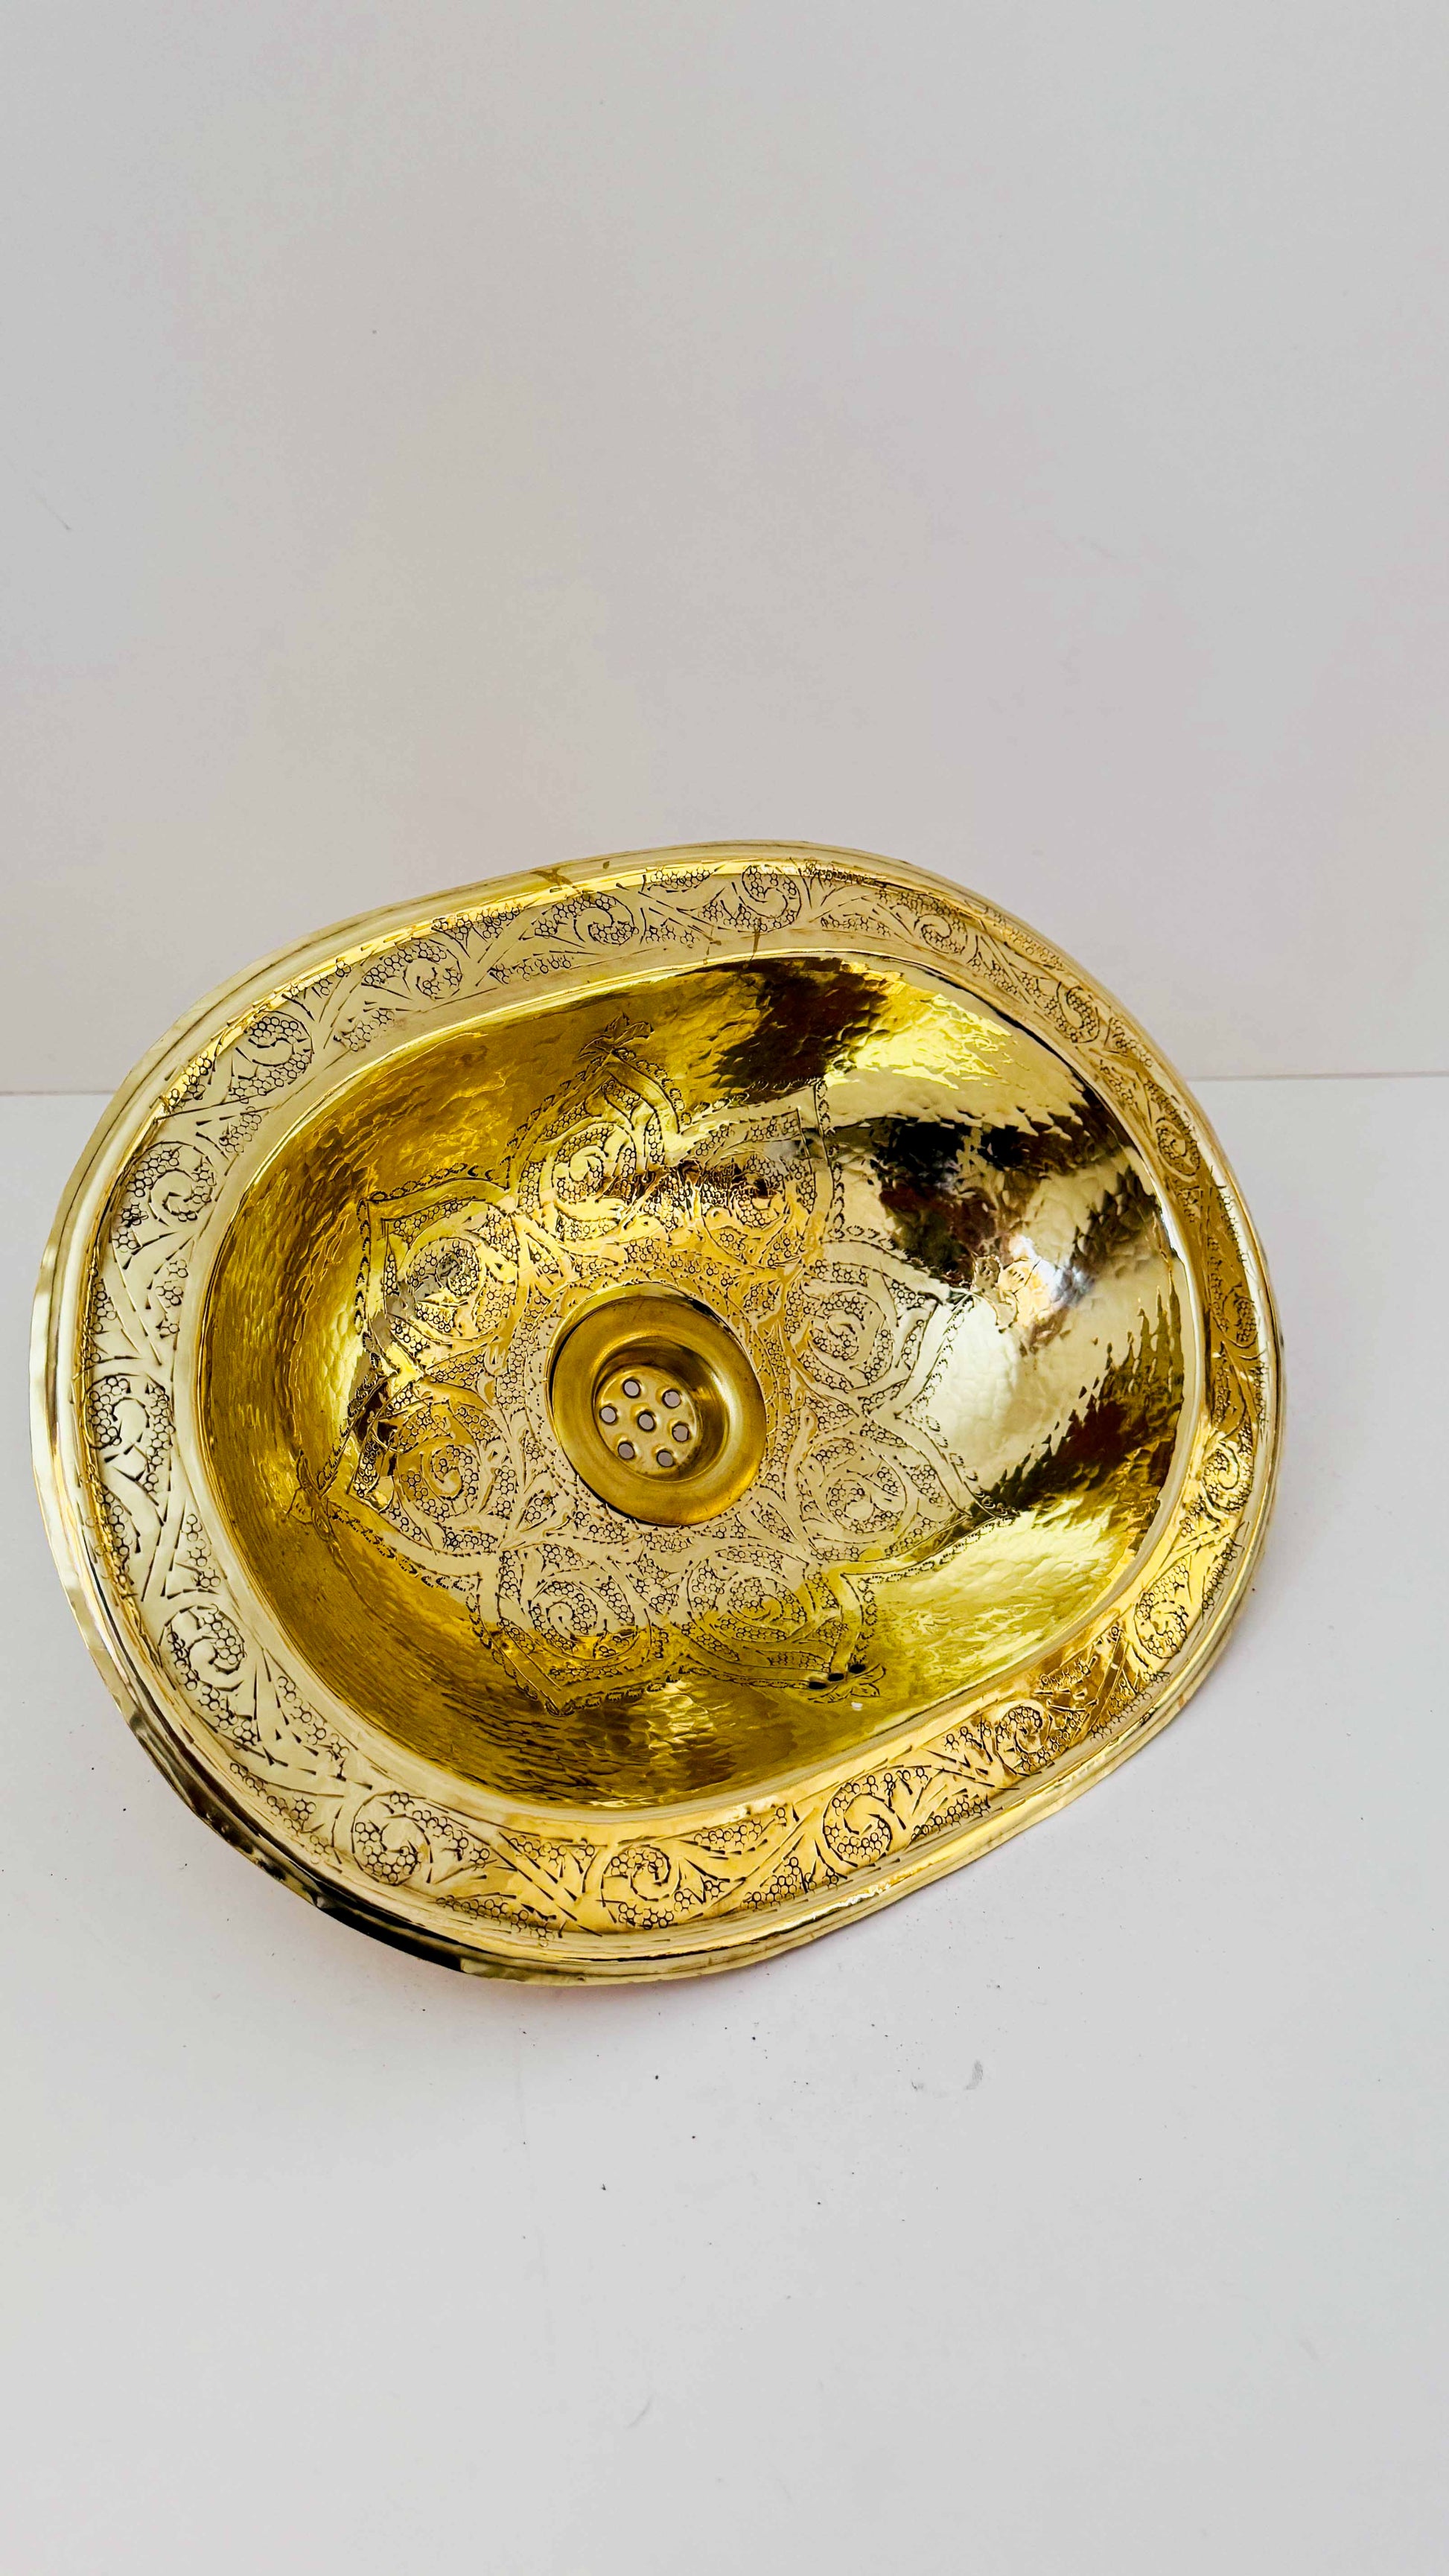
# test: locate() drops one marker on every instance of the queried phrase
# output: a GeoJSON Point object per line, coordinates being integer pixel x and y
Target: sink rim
{"type": "Point", "coordinates": [1018, 974]}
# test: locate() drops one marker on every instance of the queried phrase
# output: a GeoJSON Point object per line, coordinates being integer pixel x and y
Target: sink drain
{"type": "Point", "coordinates": [656, 1406]}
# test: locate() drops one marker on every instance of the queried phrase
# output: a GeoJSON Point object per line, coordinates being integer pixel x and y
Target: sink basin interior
{"type": "Point", "coordinates": [948, 1271]}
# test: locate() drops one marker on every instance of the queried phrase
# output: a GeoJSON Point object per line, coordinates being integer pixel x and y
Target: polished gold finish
{"type": "Point", "coordinates": [656, 1407]}
{"type": "Point", "coordinates": [605, 1424]}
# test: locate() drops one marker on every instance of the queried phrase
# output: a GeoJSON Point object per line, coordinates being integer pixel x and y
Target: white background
{"type": "Point", "coordinates": [447, 438]}
{"type": "Point", "coordinates": [454, 438]}
{"type": "Point", "coordinates": [1083, 2215]}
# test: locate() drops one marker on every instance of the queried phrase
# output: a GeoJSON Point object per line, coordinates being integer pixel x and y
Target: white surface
{"type": "Point", "coordinates": [1084, 2213]}
{"type": "Point", "coordinates": [459, 437]}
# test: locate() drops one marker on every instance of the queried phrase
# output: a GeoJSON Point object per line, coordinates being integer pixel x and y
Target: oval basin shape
{"type": "Point", "coordinates": [604, 1423]}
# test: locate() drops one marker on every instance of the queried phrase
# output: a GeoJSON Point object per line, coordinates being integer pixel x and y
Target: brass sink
{"type": "Point", "coordinates": [603, 1423]}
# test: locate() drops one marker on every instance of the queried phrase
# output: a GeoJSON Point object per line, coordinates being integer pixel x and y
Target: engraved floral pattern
{"type": "Point", "coordinates": [451, 1455]}
{"type": "Point", "coordinates": [500, 1887]}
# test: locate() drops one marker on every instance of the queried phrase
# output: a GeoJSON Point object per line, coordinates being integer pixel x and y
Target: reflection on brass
{"type": "Point", "coordinates": [656, 1407]}
{"type": "Point", "coordinates": [602, 1428]}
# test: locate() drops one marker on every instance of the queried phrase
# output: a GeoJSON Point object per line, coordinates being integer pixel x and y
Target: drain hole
{"type": "Point", "coordinates": [657, 1408]}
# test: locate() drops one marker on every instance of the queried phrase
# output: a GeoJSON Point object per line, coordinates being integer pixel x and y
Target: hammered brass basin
{"type": "Point", "coordinates": [601, 1425]}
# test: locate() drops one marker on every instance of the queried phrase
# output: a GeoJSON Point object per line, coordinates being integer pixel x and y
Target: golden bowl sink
{"type": "Point", "coordinates": [604, 1423]}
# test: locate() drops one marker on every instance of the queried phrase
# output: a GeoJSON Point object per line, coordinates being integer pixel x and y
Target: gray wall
{"type": "Point", "coordinates": [462, 437]}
